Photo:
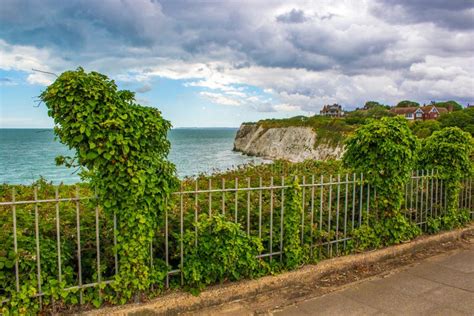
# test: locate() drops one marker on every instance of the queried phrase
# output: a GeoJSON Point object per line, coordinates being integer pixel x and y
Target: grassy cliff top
{"type": "Point", "coordinates": [328, 130]}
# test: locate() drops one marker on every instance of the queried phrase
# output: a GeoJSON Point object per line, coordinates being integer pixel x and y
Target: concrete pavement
{"type": "Point", "coordinates": [441, 285]}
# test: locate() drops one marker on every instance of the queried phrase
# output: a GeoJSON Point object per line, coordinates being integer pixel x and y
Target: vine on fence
{"type": "Point", "coordinates": [121, 148]}
{"type": "Point", "coordinates": [293, 252]}
{"type": "Point", "coordinates": [449, 152]}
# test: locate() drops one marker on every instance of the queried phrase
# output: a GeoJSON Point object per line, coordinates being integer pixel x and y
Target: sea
{"type": "Point", "coordinates": [28, 154]}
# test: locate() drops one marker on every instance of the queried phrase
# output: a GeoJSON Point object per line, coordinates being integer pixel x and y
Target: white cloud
{"type": "Point", "coordinates": [26, 58]}
{"type": "Point", "coordinates": [346, 51]}
{"type": "Point", "coordinates": [219, 98]}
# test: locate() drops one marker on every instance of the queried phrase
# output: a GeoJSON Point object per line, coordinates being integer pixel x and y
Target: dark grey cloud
{"type": "Point", "coordinates": [451, 14]}
{"type": "Point", "coordinates": [305, 52]}
{"type": "Point", "coordinates": [294, 16]}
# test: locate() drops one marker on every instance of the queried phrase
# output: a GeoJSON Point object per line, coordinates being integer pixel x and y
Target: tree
{"type": "Point", "coordinates": [122, 148]}
{"type": "Point", "coordinates": [407, 104]}
{"type": "Point", "coordinates": [463, 119]}
{"type": "Point", "coordinates": [447, 104]}
{"type": "Point", "coordinates": [374, 104]}
{"type": "Point", "coordinates": [448, 151]}
{"type": "Point", "coordinates": [385, 152]}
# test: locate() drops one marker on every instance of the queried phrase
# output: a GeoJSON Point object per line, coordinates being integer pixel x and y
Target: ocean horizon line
{"type": "Point", "coordinates": [173, 128]}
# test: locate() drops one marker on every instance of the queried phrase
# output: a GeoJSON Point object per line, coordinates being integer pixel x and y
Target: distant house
{"type": "Point", "coordinates": [429, 112]}
{"type": "Point", "coordinates": [334, 110]}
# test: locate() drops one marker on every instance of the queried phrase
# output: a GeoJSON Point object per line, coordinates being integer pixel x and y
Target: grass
{"type": "Point", "coordinates": [332, 131]}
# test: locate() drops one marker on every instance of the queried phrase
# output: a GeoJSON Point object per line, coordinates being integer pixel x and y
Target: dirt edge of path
{"type": "Point", "coordinates": [272, 292]}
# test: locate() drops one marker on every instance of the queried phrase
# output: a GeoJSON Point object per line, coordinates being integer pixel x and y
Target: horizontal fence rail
{"type": "Point", "coordinates": [65, 237]}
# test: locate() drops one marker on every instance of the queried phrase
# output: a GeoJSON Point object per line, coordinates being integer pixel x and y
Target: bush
{"type": "Point", "coordinates": [424, 129]}
{"type": "Point", "coordinates": [224, 252]}
{"type": "Point", "coordinates": [391, 230]}
{"type": "Point", "coordinates": [396, 229]}
{"type": "Point", "coordinates": [385, 152]}
{"type": "Point", "coordinates": [448, 221]}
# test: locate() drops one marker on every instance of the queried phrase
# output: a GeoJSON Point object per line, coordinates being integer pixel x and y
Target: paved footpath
{"type": "Point", "coordinates": [440, 285]}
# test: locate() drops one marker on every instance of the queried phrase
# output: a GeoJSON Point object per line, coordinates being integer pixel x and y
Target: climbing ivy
{"type": "Point", "coordinates": [293, 252]}
{"type": "Point", "coordinates": [385, 152]}
{"type": "Point", "coordinates": [448, 151]}
{"type": "Point", "coordinates": [121, 148]}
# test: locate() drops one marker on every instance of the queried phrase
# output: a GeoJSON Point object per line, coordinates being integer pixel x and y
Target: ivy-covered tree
{"type": "Point", "coordinates": [122, 149]}
{"type": "Point", "coordinates": [385, 152]}
{"type": "Point", "coordinates": [448, 151]}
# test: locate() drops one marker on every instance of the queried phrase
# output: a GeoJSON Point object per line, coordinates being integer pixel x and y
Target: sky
{"type": "Point", "coordinates": [220, 63]}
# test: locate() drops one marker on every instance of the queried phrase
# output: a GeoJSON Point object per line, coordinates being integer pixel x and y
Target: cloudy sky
{"type": "Point", "coordinates": [218, 63]}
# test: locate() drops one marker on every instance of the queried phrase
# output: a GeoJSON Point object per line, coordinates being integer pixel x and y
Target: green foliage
{"type": "Point", "coordinates": [385, 152]}
{"type": "Point", "coordinates": [423, 129]}
{"type": "Point", "coordinates": [121, 148]}
{"type": "Point", "coordinates": [374, 104]}
{"type": "Point", "coordinates": [448, 151]}
{"type": "Point", "coordinates": [328, 130]}
{"type": "Point", "coordinates": [363, 238]}
{"type": "Point", "coordinates": [27, 257]}
{"type": "Point", "coordinates": [395, 229]}
{"type": "Point", "coordinates": [391, 230]}
{"type": "Point", "coordinates": [449, 104]}
{"type": "Point", "coordinates": [464, 119]}
{"type": "Point", "coordinates": [448, 221]}
{"type": "Point", "coordinates": [292, 248]}
{"type": "Point", "coordinates": [359, 117]}
{"type": "Point", "coordinates": [407, 104]}
{"type": "Point", "coordinates": [223, 252]}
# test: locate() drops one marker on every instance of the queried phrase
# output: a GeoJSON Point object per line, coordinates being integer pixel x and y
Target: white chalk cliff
{"type": "Point", "coordinates": [289, 143]}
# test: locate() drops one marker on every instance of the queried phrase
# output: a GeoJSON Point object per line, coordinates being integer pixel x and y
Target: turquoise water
{"type": "Point", "coordinates": [27, 154]}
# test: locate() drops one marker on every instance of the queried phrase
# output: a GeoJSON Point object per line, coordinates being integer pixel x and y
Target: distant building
{"type": "Point", "coordinates": [429, 112]}
{"type": "Point", "coordinates": [334, 110]}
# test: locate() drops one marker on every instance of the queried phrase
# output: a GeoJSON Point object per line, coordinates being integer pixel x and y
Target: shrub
{"type": "Point", "coordinates": [385, 152]}
{"type": "Point", "coordinates": [224, 252]}
{"type": "Point", "coordinates": [396, 229]}
{"type": "Point", "coordinates": [424, 129]}
{"type": "Point", "coordinates": [391, 230]}
{"type": "Point", "coordinates": [449, 220]}
{"type": "Point", "coordinates": [448, 151]}
{"type": "Point", "coordinates": [363, 238]}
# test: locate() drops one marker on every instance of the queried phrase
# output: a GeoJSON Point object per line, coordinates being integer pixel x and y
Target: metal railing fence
{"type": "Point", "coordinates": [70, 240]}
